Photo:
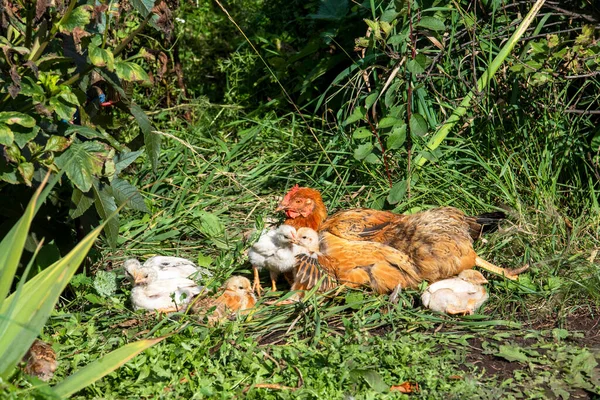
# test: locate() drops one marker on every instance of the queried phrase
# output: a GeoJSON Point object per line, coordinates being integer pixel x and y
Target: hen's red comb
{"type": "Point", "coordinates": [288, 196]}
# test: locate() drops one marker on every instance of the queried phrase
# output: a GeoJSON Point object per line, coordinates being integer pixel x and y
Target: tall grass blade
{"type": "Point", "coordinates": [482, 82]}
{"type": "Point", "coordinates": [99, 368]}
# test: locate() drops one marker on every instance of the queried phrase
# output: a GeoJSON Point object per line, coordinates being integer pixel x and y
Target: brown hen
{"type": "Point", "coordinates": [384, 250]}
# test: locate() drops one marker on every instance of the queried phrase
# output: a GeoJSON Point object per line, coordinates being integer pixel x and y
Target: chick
{"type": "Point", "coordinates": [40, 360]}
{"type": "Point", "coordinates": [276, 251]}
{"type": "Point", "coordinates": [312, 266]}
{"type": "Point", "coordinates": [460, 295]}
{"type": "Point", "coordinates": [237, 296]}
{"type": "Point", "coordinates": [163, 267]}
{"type": "Point", "coordinates": [167, 295]}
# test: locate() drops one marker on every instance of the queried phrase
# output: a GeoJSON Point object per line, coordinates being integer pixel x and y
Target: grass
{"type": "Point", "coordinates": [220, 181]}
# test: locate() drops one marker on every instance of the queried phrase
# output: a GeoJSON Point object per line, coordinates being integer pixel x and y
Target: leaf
{"type": "Point", "coordinates": [512, 353]}
{"type": "Point", "coordinates": [63, 110]}
{"type": "Point", "coordinates": [354, 299]}
{"type": "Point", "coordinates": [57, 143]}
{"type": "Point", "coordinates": [124, 160]}
{"type": "Point", "coordinates": [203, 261]}
{"type": "Point", "coordinates": [362, 151]}
{"type": "Point", "coordinates": [210, 225]}
{"type": "Point", "coordinates": [21, 138]}
{"type": "Point", "coordinates": [397, 192]}
{"type": "Point", "coordinates": [358, 114]}
{"type": "Point", "coordinates": [101, 57]}
{"type": "Point", "coordinates": [102, 367]}
{"type": "Point", "coordinates": [79, 17]}
{"type": "Point", "coordinates": [6, 135]}
{"type": "Point", "coordinates": [387, 122]}
{"type": "Point", "coordinates": [13, 117]}
{"type": "Point", "coordinates": [405, 387]}
{"type": "Point", "coordinates": [106, 206]}
{"type": "Point", "coordinates": [370, 100]}
{"type": "Point", "coordinates": [388, 15]}
{"type": "Point", "coordinates": [124, 192]}
{"type": "Point", "coordinates": [131, 71]}
{"type": "Point", "coordinates": [144, 7]}
{"type": "Point", "coordinates": [390, 94]}
{"type": "Point", "coordinates": [414, 67]}
{"type": "Point", "coordinates": [418, 125]}
{"type": "Point", "coordinates": [331, 10]}
{"type": "Point", "coordinates": [28, 314]}
{"type": "Point", "coordinates": [82, 203]}
{"type": "Point", "coordinates": [372, 159]}
{"type": "Point", "coordinates": [397, 138]}
{"type": "Point", "coordinates": [26, 170]}
{"type": "Point", "coordinates": [431, 23]}
{"type": "Point", "coordinates": [151, 139]}
{"type": "Point", "coordinates": [81, 164]}
{"type": "Point", "coordinates": [372, 378]}
{"type": "Point", "coordinates": [105, 283]}
{"type": "Point", "coordinates": [362, 133]}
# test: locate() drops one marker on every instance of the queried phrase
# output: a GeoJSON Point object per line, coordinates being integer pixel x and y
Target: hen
{"type": "Point", "coordinates": [237, 296]}
{"type": "Point", "coordinates": [275, 251]}
{"type": "Point", "coordinates": [386, 250]}
{"type": "Point", "coordinates": [460, 295]}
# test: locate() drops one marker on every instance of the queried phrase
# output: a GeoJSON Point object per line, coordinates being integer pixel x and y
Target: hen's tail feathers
{"type": "Point", "coordinates": [512, 274]}
{"type": "Point", "coordinates": [486, 222]}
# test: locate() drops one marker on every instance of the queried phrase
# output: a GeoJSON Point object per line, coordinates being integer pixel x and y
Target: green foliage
{"type": "Point", "coordinates": [64, 89]}
{"type": "Point", "coordinates": [25, 312]}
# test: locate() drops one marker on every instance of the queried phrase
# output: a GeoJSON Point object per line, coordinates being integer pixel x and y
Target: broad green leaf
{"type": "Point", "coordinates": [99, 368]}
{"type": "Point", "coordinates": [144, 7]}
{"type": "Point", "coordinates": [362, 133]}
{"type": "Point", "coordinates": [131, 71]}
{"type": "Point", "coordinates": [101, 57]}
{"type": "Point", "coordinates": [105, 283]}
{"type": "Point", "coordinates": [90, 133]}
{"type": "Point", "coordinates": [388, 122]}
{"type": "Point", "coordinates": [396, 39]}
{"type": "Point", "coordinates": [11, 247]}
{"type": "Point", "coordinates": [79, 17]}
{"type": "Point", "coordinates": [204, 261]}
{"type": "Point", "coordinates": [6, 135]}
{"type": "Point", "coordinates": [124, 160]}
{"type": "Point", "coordinates": [13, 117]}
{"type": "Point", "coordinates": [124, 192]}
{"type": "Point", "coordinates": [210, 225]}
{"type": "Point", "coordinates": [30, 313]}
{"type": "Point", "coordinates": [390, 94]}
{"type": "Point", "coordinates": [22, 138]}
{"type": "Point", "coordinates": [81, 201]}
{"type": "Point", "coordinates": [106, 206]}
{"type": "Point", "coordinates": [414, 67]}
{"type": "Point", "coordinates": [431, 23]}
{"type": "Point", "coordinates": [64, 110]}
{"type": "Point", "coordinates": [418, 125]}
{"type": "Point", "coordinates": [512, 353]}
{"type": "Point", "coordinates": [372, 159]}
{"type": "Point", "coordinates": [151, 140]}
{"type": "Point", "coordinates": [57, 143]}
{"type": "Point", "coordinates": [397, 138]}
{"type": "Point", "coordinates": [362, 151]}
{"type": "Point", "coordinates": [81, 164]}
{"type": "Point", "coordinates": [358, 114]}
{"type": "Point", "coordinates": [26, 170]}
{"type": "Point", "coordinates": [397, 192]}
{"type": "Point", "coordinates": [389, 15]}
{"type": "Point", "coordinates": [370, 100]}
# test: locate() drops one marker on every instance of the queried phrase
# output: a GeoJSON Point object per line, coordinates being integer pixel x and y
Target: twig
{"type": "Point", "coordinates": [274, 386]}
{"type": "Point", "coordinates": [583, 112]}
{"type": "Point", "coordinates": [409, 97]}
{"type": "Point", "coordinates": [383, 151]}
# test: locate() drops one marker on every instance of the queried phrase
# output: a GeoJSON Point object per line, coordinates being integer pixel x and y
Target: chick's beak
{"type": "Point", "coordinates": [138, 279]}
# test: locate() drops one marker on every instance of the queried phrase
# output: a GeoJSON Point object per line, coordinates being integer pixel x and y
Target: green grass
{"type": "Point", "coordinates": [221, 180]}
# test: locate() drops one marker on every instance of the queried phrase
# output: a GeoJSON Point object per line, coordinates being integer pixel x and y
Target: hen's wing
{"type": "Point", "coordinates": [360, 223]}
{"type": "Point", "coordinates": [309, 273]}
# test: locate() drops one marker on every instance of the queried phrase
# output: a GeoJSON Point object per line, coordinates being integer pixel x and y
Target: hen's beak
{"type": "Point", "coordinates": [280, 207]}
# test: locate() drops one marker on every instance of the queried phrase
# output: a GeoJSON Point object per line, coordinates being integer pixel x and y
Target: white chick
{"type": "Point", "coordinates": [460, 295]}
{"type": "Point", "coordinates": [276, 251]}
{"type": "Point", "coordinates": [161, 268]}
{"type": "Point", "coordinates": [168, 295]}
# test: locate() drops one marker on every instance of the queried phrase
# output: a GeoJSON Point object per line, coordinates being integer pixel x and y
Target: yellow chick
{"type": "Point", "coordinates": [237, 296]}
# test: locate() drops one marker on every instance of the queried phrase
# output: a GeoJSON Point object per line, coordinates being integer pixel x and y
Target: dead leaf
{"type": "Point", "coordinates": [406, 387]}
{"type": "Point", "coordinates": [40, 8]}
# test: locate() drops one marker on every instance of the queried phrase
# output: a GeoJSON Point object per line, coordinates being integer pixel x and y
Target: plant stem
{"type": "Point", "coordinates": [482, 82]}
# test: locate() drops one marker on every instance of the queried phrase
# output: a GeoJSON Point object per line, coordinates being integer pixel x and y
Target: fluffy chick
{"type": "Point", "coordinates": [162, 267]}
{"type": "Point", "coordinates": [312, 267]}
{"type": "Point", "coordinates": [275, 251]}
{"type": "Point", "coordinates": [237, 296]}
{"type": "Point", "coordinates": [167, 295]}
{"type": "Point", "coordinates": [40, 360]}
{"type": "Point", "coordinates": [460, 295]}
